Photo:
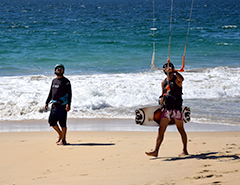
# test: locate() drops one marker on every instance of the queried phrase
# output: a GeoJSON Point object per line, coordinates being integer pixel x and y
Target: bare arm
{"type": "Point", "coordinates": [179, 79]}
{"type": "Point", "coordinates": [161, 100]}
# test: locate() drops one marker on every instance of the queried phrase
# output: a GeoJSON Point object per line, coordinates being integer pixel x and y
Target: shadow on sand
{"type": "Point", "coordinates": [209, 155]}
{"type": "Point", "coordinates": [89, 144]}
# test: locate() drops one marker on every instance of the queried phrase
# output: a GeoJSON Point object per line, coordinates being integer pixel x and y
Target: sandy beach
{"type": "Point", "coordinates": [118, 157]}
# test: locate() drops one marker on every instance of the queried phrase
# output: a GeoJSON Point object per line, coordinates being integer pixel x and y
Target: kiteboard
{"type": "Point", "coordinates": [150, 116]}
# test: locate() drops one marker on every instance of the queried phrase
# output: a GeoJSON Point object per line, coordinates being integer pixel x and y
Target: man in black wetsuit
{"type": "Point", "coordinates": [171, 100]}
{"type": "Point", "coordinates": [60, 95]}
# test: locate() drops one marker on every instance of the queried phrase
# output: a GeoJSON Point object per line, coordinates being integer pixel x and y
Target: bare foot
{"type": "Point", "coordinates": [154, 154]}
{"type": "Point", "coordinates": [59, 143]}
{"type": "Point", "coordinates": [183, 154]}
{"type": "Point", "coordinates": [60, 138]}
{"type": "Point", "coordinates": [63, 142]}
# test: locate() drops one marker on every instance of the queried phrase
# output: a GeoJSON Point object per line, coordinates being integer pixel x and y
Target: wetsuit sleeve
{"type": "Point", "coordinates": [69, 91]}
{"type": "Point", "coordinates": [49, 95]}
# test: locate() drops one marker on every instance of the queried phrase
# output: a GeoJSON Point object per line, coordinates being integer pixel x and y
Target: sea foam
{"type": "Point", "coordinates": [111, 95]}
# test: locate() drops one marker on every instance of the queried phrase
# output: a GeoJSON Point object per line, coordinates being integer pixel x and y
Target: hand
{"type": "Point", "coordinates": [161, 101]}
{"type": "Point", "coordinates": [68, 108]}
{"type": "Point", "coordinates": [46, 107]}
{"type": "Point", "coordinates": [168, 70]}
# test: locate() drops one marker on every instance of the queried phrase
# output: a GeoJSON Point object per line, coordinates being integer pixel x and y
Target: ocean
{"type": "Point", "coordinates": [106, 47]}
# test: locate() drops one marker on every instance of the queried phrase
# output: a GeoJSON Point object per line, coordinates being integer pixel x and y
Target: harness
{"type": "Point", "coordinates": [172, 95]}
{"type": "Point", "coordinates": [62, 101]}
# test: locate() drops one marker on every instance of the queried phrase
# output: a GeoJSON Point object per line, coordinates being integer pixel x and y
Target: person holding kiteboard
{"type": "Point", "coordinates": [171, 102]}
{"type": "Point", "coordinates": [60, 96]}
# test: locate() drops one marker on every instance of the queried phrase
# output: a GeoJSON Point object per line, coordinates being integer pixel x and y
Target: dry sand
{"type": "Point", "coordinates": [118, 158]}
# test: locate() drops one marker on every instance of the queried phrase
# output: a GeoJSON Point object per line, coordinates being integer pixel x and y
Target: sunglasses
{"type": "Point", "coordinates": [59, 68]}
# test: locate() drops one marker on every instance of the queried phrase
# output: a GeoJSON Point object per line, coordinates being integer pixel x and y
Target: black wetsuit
{"type": "Point", "coordinates": [174, 99]}
{"type": "Point", "coordinates": [59, 88]}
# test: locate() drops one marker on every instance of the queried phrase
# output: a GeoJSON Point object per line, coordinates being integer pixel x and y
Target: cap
{"type": "Point", "coordinates": [168, 65]}
{"type": "Point", "coordinates": [59, 65]}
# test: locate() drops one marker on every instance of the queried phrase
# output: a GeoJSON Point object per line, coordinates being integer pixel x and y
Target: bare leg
{"type": "Point", "coordinates": [183, 134]}
{"type": "Point", "coordinates": [162, 128]}
{"type": "Point", "coordinates": [64, 132]}
{"type": "Point", "coordinates": [56, 128]}
{"type": "Point", "coordinates": [157, 115]}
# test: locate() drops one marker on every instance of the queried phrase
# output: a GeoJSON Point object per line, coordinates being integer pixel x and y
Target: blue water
{"type": "Point", "coordinates": [114, 36]}
{"type": "Point", "coordinates": [106, 47]}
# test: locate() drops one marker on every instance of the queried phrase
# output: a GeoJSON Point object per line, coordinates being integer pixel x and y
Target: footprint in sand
{"type": "Point", "coordinates": [217, 182]}
{"type": "Point", "coordinates": [207, 174]}
{"type": "Point", "coordinates": [206, 165]}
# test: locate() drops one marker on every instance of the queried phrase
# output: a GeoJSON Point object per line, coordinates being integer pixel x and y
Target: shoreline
{"type": "Point", "coordinates": [104, 124]}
